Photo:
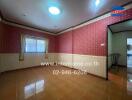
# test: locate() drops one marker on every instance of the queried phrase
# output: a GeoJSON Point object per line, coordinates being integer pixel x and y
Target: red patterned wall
{"type": "Point", "coordinates": [84, 40]}
{"type": "Point", "coordinates": [10, 38]}
{"type": "Point", "coordinates": [88, 39]}
{"type": "Point", "coordinates": [64, 43]}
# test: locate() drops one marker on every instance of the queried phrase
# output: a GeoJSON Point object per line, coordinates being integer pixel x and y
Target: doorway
{"type": "Point", "coordinates": [119, 59]}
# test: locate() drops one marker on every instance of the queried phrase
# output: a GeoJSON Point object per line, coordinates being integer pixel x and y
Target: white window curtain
{"type": "Point", "coordinates": [23, 45]}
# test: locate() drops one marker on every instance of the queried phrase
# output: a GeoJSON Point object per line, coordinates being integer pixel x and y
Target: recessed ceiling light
{"type": "Point", "coordinates": [54, 10]}
{"type": "Point", "coordinates": [97, 2]}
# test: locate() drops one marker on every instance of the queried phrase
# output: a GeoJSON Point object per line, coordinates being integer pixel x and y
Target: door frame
{"type": "Point", "coordinates": [108, 27]}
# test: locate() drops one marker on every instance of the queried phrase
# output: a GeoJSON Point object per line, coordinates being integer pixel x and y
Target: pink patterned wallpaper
{"type": "Point", "coordinates": [87, 40]}
{"type": "Point", "coordinates": [64, 43]}
{"type": "Point", "coordinates": [10, 38]}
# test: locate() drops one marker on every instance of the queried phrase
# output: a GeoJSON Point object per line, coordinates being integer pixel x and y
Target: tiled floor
{"type": "Point", "coordinates": [40, 84]}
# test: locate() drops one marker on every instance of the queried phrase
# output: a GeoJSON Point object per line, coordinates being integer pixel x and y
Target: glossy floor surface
{"type": "Point", "coordinates": [42, 84]}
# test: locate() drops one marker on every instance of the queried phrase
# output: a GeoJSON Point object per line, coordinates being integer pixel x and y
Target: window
{"type": "Point", "coordinates": [35, 45]}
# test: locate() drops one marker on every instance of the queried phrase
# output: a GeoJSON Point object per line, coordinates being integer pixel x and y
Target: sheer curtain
{"type": "Point", "coordinates": [40, 46]}
{"type": "Point", "coordinates": [22, 47]}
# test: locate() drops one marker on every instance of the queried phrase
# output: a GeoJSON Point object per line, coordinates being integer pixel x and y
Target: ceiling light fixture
{"type": "Point", "coordinates": [97, 2]}
{"type": "Point", "coordinates": [54, 10]}
{"type": "Point", "coordinates": [130, 80]}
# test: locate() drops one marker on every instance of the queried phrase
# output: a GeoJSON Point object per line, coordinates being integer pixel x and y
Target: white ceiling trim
{"type": "Point", "coordinates": [73, 28]}
{"type": "Point", "coordinates": [93, 20]}
{"type": "Point", "coordinates": [25, 27]}
{"type": "Point", "coordinates": [84, 24]}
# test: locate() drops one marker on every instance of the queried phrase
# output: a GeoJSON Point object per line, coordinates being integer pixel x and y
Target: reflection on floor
{"type": "Point", "coordinates": [40, 84]}
{"type": "Point", "coordinates": [129, 83]}
{"type": "Point", "coordinates": [33, 88]}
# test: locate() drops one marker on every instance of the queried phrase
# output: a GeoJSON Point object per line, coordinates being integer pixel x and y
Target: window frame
{"type": "Point", "coordinates": [36, 38]}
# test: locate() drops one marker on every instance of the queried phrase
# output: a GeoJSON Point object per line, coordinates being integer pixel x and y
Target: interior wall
{"type": "Point", "coordinates": [119, 45]}
{"type": "Point", "coordinates": [109, 48]}
{"type": "Point", "coordinates": [85, 45]}
{"type": "Point", "coordinates": [88, 44]}
{"type": "Point", "coordinates": [10, 48]}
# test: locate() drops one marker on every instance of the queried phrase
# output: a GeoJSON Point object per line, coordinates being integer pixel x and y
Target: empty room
{"type": "Point", "coordinates": [65, 49]}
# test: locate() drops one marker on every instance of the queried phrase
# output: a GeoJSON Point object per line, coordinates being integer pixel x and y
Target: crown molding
{"type": "Point", "coordinates": [127, 6]}
{"type": "Point", "coordinates": [25, 27]}
{"type": "Point", "coordinates": [86, 23]}
{"type": "Point", "coordinates": [8, 22]}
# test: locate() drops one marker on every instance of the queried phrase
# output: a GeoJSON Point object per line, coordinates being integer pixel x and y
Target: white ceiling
{"type": "Point", "coordinates": [124, 26]}
{"type": "Point", "coordinates": [34, 13]}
